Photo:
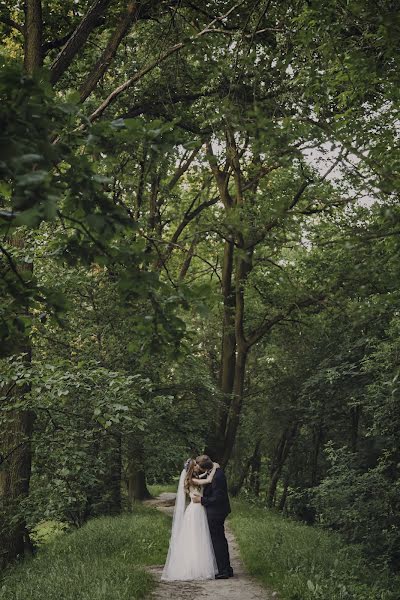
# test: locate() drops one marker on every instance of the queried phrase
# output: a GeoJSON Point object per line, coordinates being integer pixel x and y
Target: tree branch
{"type": "Point", "coordinates": [89, 22]}
{"type": "Point", "coordinates": [57, 43]}
{"type": "Point", "coordinates": [155, 63]}
{"type": "Point", "coordinates": [130, 15]}
{"type": "Point", "coordinates": [11, 23]}
{"type": "Point", "coordinates": [183, 168]}
{"type": "Point", "coordinates": [257, 334]}
{"type": "Point", "coordinates": [184, 250]}
{"type": "Point", "coordinates": [12, 265]}
{"type": "Point", "coordinates": [187, 218]}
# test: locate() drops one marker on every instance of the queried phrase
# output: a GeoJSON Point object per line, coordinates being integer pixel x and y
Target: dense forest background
{"type": "Point", "coordinates": [200, 252]}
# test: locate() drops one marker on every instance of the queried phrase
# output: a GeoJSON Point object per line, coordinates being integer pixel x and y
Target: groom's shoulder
{"type": "Point", "coordinates": [219, 473]}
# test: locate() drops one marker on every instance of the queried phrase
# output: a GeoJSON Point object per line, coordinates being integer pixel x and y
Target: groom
{"type": "Point", "coordinates": [216, 502]}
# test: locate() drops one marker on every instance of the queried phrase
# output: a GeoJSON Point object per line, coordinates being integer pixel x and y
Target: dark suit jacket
{"type": "Point", "coordinates": [215, 497]}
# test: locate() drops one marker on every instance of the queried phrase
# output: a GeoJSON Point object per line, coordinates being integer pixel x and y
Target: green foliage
{"type": "Point", "coordinates": [46, 531]}
{"type": "Point", "coordinates": [80, 408]}
{"type": "Point", "coordinates": [302, 563]}
{"type": "Point", "coordinates": [52, 175]}
{"type": "Point", "coordinates": [361, 504]}
{"type": "Point", "coordinates": [113, 244]}
{"type": "Point", "coordinates": [333, 376]}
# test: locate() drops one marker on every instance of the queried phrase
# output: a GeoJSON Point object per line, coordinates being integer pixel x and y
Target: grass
{"type": "Point", "coordinates": [104, 560]}
{"type": "Point", "coordinates": [157, 489]}
{"type": "Point", "coordinates": [304, 563]}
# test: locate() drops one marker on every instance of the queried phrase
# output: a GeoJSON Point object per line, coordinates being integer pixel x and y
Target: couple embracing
{"type": "Point", "coordinates": [198, 548]}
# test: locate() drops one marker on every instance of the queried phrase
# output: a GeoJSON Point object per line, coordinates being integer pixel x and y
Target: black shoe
{"type": "Point", "coordinates": [230, 572]}
{"type": "Point", "coordinates": [223, 575]}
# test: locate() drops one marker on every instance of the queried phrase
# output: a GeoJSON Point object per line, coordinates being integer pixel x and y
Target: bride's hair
{"type": "Point", "coordinates": [189, 466]}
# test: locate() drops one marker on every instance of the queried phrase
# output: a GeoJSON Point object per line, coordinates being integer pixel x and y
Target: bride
{"type": "Point", "coordinates": [191, 553]}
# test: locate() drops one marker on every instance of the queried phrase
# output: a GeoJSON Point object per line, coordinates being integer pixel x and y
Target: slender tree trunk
{"type": "Point", "coordinates": [317, 442]}
{"type": "Point", "coordinates": [283, 498]}
{"type": "Point", "coordinates": [281, 454]}
{"type": "Point", "coordinates": [254, 482]}
{"type": "Point", "coordinates": [235, 192]}
{"type": "Point", "coordinates": [235, 489]}
{"type": "Point", "coordinates": [355, 413]}
{"type": "Point", "coordinates": [273, 483]}
{"type": "Point", "coordinates": [228, 350]}
{"type": "Point", "coordinates": [142, 177]}
{"type": "Point", "coordinates": [154, 215]}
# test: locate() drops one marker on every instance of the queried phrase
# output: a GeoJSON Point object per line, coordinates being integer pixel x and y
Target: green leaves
{"type": "Point", "coordinates": [51, 176]}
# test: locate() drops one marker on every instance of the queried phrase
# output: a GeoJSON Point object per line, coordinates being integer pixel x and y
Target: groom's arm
{"type": "Point", "coordinates": [218, 490]}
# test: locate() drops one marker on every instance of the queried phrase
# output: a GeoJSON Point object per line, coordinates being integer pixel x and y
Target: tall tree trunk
{"type": "Point", "coordinates": [244, 265]}
{"type": "Point", "coordinates": [236, 344]}
{"type": "Point", "coordinates": [33, 32]}
{"type": "Point", "coordinates": [188, 259]}
{"type": "Point", "coordinates": [216, 442]}
{"type": "Point", "coordinates": [15, 472]}
{"type": "Point", "coordinates": [111, 484]}
{"type": "Point", "coordinates": [137, 487]}
{"type": "Point", "coordinates": [136, 477]}
{"type": "Point", "coordinates": [236, 404]}
{"type": "Point", "coordinates": [15, 443]}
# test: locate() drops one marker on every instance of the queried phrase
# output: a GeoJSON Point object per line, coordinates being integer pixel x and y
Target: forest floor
{"type": "Point", "coordinates": [239, 587]}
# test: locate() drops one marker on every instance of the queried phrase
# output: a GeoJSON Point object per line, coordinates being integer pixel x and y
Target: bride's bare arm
{"type": "Point", "coordinates": [207, 479]}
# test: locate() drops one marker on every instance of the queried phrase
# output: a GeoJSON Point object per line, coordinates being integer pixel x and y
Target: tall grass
{"type": "Point", "coordinates": [103, 560]}
{"type": "Point", "coordinates": [305, 563]}
{"type": "Point", "coordinates": [106, 559]}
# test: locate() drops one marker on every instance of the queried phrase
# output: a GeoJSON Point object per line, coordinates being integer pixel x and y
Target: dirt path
{"type": "Point", "coordinates": [239, 587]}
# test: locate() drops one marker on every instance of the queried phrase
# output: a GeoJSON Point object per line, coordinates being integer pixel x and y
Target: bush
{"type": "Point", "coordinates": [362, 506]}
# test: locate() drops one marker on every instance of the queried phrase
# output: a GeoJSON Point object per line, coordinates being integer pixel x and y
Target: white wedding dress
{"type": "Point", "coordinates": [191, 553]}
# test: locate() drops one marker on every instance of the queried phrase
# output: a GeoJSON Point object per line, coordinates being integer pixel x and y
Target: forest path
{"type": "Point", "coordinates": [239, 587]}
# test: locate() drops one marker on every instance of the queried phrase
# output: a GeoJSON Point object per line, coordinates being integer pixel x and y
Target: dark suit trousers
{"type": "Point", "coordinates": [220, 544]}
